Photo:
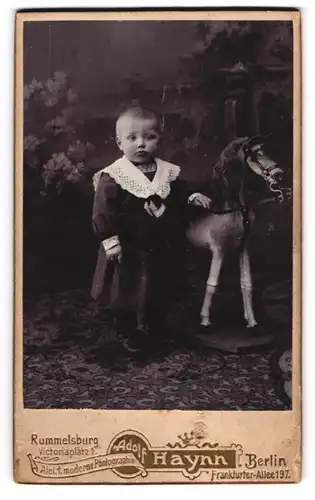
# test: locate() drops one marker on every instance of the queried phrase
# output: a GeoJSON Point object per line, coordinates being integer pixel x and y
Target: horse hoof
{"type": "Point", "coordinates": [205, 330]}
{"type": "Point", "coordinates": [255, 331]}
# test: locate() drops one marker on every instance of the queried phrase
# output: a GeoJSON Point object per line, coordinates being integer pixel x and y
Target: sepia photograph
{"type": "Point", "coordinates": [157, 215]}
{"type": "Point", "coordinates": [157, 240]}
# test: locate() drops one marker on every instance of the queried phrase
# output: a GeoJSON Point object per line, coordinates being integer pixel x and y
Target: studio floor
{"type": "Point", "coordinates": [73, 359]}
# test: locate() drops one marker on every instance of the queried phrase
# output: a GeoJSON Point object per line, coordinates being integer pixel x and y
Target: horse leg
{"type": "Point", "coordinates": [247, 288]}
{"type": "Point", "coordinates": [212, 283]}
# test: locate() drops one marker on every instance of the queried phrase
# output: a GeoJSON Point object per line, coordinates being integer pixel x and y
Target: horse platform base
{"type": "Point", "coordinates": [234, 340]}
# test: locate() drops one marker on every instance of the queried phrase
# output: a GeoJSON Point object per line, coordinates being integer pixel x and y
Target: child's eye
{"type": "Point", "coordinates": [151, 137]}
{"type": "Point", "coordinates": [131, 137]}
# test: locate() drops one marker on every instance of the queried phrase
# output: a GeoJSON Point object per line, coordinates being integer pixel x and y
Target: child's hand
{"type": "Point", "coordinates": [202, 201]}
{"type": "Point", "coordinates": [114, 253]}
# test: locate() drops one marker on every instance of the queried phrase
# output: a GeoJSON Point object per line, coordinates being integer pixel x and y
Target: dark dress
{"type": "Point", "coordinates": [147, 278]}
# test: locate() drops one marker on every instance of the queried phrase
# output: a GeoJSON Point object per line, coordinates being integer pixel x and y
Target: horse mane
{"type": "Point", "coordinates": [227, 175]}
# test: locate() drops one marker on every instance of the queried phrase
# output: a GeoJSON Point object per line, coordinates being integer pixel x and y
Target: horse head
{"type": "Point", "coordinates": [249, 153]}
{"type": "Point", "coordinates": [256, 158]}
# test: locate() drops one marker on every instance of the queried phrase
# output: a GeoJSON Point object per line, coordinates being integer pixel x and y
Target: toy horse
{"type": "Point", "coordinates": [228, 224]}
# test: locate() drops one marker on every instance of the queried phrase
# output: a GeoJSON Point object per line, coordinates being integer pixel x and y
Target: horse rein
{"type": "Point", "coordinates": [268, 175]}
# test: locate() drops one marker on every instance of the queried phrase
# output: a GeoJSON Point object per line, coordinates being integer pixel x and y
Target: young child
{"type": "Point", "coordinates": [139, 216]}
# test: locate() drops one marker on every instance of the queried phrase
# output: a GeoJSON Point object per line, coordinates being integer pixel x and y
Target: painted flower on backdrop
{"type": "Point", "coordinates": [59, 125]}
{"type": "Point", "coordinates": [49, 92]}
{"type": "Point", "coordinates": [51, 145]}
{"type": "Point", "coordinates": [31, 143]}
{"type": "Point", "coordinates": [59, 170]}
{"type": "Point", "coordinates": [67, 167]}
{"type": "Point", "coordinates": [78, 150]}
{"type": "Point", "coordinates": [31, 88]}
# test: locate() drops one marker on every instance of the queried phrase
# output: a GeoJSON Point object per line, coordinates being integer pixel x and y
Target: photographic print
{"type": "Point", "coordinates": [157, 243]}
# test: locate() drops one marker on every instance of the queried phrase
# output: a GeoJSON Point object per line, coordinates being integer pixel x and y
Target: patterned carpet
{"type": "Point", "coordinates": [72, 359]}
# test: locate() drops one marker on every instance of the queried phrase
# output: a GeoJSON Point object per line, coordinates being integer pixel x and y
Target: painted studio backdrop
{"type": "Point", "coordinates": [212, 82]}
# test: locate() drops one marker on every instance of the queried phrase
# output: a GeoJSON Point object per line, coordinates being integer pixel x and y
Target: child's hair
{"type": "Point", "coordinates": [138, 111]}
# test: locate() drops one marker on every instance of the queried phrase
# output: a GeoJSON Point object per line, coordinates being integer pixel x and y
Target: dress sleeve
{"type": "Point", "coordinates": [181, 191]}
{"type": "Point", "coordinates": [186, 193]}
{"type": "Point", "coordinates": [104, 218]}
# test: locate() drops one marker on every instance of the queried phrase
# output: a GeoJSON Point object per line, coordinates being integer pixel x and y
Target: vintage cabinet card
{"type": "Point", "coordinates": [157, 247]}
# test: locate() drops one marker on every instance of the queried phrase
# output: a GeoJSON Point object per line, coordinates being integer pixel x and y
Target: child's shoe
{"type": "Point", "coordinates": [137, 340]}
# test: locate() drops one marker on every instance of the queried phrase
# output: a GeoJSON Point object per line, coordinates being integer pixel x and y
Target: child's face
{"type": "Point", "coordinates": [138, 138]}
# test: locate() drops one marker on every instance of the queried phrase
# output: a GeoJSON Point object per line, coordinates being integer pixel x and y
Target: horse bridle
{"type": "Point", "coordinates": [267, 173]}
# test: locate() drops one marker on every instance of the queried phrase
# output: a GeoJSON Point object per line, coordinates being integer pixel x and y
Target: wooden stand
{"type": "Point", "coordinates": [234, 340]}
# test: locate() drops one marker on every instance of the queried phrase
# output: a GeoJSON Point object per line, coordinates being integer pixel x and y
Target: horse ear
{"type": "Point", "coordinates": [253, 141]}
{"type": "Point", "coordinates": [257, 139]}
{"type": "Point", "coordinates": [267, 137]}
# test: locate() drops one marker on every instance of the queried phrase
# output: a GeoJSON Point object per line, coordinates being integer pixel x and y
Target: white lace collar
{"type": "Point", "coordinates": [131, 179]}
